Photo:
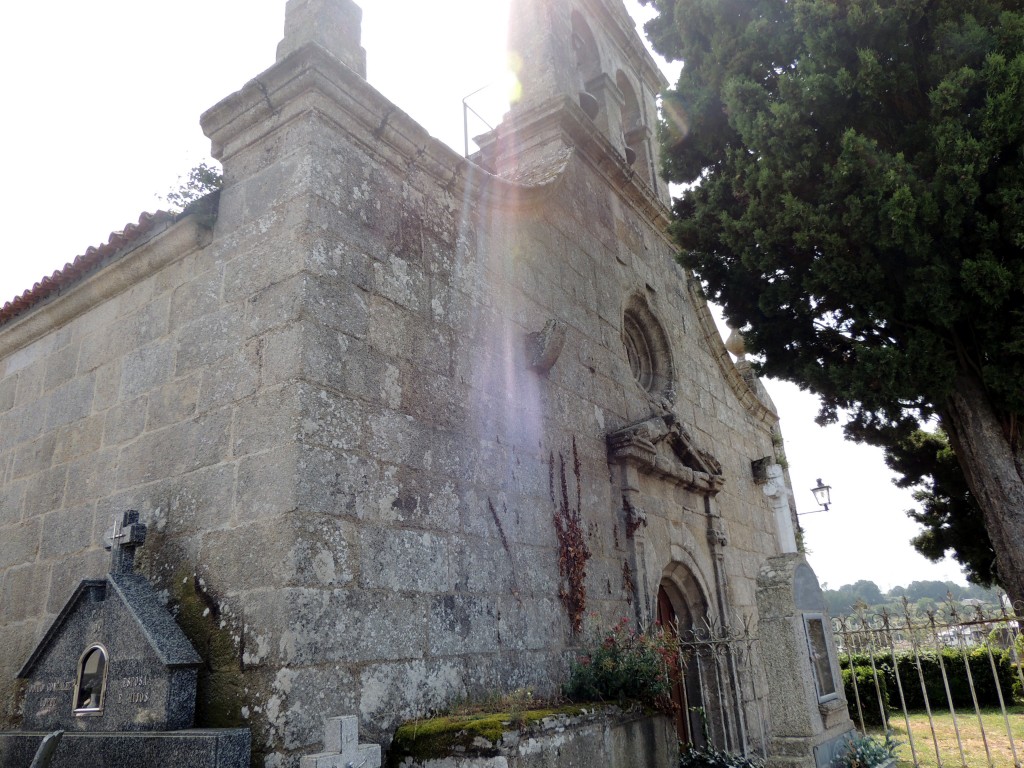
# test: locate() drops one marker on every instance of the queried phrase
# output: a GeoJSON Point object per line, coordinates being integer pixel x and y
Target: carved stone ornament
{"type": "Point", "coordinates": [684, 463]}
{"type": "Point", "coordinates": [636, 517]}
{"type": "Point", "coordinates": [544, 346]}
{"type": "Point", "coordinates": [717, 536]}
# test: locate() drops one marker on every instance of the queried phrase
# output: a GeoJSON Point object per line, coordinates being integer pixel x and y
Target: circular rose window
{"type": "Point", "coordinates": [647, 347]}
{"type": "Point", "coordinates": [638, 351]}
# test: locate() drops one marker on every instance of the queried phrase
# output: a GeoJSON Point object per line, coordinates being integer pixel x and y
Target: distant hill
{"type": "Point", "coordinates": [923, 594]}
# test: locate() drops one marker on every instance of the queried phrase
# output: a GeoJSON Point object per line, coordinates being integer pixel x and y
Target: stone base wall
{"type": "Point", "coordinates": [610, 741]}
{"type": "Point", "coordinates": [199, 748]}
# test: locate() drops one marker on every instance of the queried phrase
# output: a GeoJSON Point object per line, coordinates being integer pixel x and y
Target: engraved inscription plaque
{"type": "Point", "coordinates": [821, 661]}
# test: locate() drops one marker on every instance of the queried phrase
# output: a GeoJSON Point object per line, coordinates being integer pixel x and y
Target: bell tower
{"type": "Point", "coordinates": [584, 56]}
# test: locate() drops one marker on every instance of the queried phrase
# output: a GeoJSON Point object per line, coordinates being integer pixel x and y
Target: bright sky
{"type": "Point", "coordinates": [103, 113]}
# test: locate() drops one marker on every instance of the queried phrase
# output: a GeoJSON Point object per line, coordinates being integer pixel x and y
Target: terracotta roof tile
{"type": "Point", "coordinates": [83, 265]}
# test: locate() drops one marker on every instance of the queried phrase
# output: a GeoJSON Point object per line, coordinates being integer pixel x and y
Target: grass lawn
{"type": "Point", "coordinates": [970, 738]}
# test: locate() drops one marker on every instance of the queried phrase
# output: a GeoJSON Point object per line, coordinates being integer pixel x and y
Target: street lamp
{"type": "Point", "coordinates": [822, 496]}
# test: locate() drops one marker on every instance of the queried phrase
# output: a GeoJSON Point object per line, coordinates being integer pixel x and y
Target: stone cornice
{"type": "Point", "coordinates": [629, 41]}
{"type": "Point", "coordinates": [563, 118]}
{"type": "Point", "coordinates": [587, 141]}
{"type": "Point", "coordinates": [737, 383]}
{"type": "Point", "coordinates": [636, 446]}
{"type": "Point", "coordinates": [275, 97]}
{"type": "Point", "coordinates": [311, 79]}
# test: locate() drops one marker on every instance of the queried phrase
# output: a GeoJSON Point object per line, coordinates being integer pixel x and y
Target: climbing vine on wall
{"type": "Point", "coordinates": [573, 551]}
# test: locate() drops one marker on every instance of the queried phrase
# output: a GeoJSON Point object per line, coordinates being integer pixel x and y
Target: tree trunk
{"type": "Point", "coordinates": [987, 460]}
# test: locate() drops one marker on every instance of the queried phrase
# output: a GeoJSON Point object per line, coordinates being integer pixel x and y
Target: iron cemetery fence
{"type": "Point", "coordinates": [721, 697]}
{"type": "Point", "coordinates": [964, 661]}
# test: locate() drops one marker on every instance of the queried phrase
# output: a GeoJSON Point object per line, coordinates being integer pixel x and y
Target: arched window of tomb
{"type": "Point", "coordinates": [91, 681]}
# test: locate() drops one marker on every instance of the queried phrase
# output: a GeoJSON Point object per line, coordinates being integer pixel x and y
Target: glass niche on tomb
{"type": "Point", "coordinates": [91, 681]}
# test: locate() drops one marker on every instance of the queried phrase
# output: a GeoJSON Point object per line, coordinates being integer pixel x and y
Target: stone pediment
{"type": "Point", "coordinates": [145, 667]}
{"type": "Point", "coordinates": [165, 638]}
{"type": "Point", "coordinates": [661, 446]}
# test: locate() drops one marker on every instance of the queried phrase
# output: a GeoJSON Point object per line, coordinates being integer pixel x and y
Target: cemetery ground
{"type": "Point", "coordinates": [974, 752]}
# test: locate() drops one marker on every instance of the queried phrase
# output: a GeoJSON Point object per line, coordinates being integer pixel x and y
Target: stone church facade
{"type": "Point", "coordinates": [404, 423]}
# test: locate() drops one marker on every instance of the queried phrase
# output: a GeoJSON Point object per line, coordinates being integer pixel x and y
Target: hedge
{"type": "Point", "coordinates": [931, 670]}
{"type": "Point", "coordinates": [868, 696]}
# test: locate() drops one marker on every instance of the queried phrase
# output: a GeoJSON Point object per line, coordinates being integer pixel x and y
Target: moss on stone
{"type": "Point", "coordinates": [476, 734]}
{"type": "Point", "coordinates": [220, 687]}
{"type": "Point", "coordinates": [12, 702]}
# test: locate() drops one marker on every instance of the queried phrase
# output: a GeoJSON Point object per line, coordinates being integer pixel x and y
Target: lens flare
{"type": "Point", "coordinates": [512, 87]}
{"type": "Point", "coordinates": [676, 119]}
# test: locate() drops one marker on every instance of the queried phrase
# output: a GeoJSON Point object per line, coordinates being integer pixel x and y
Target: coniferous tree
{"type": "Point", "coordinates": [857, 205]}
{"type": "Point", "coordinates": [948, 513]}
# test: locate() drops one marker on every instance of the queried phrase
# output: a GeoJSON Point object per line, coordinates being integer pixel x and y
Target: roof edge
{"type": "Point", "coordinates": [139, 597]}
{"type": "Point", "coordinates": [173, 647]}
{"type": "Point", "coordinates": [72, 294]}
{"type": "Point", "coordinates": [82, 265]}
{"type": "Point", "coordinates": [747, 396]}
{"type": "Point", "coordinates": [48, 637]}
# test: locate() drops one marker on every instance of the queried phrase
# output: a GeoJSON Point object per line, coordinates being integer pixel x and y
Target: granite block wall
{"type": "Point", "coordinates": [323, 407]}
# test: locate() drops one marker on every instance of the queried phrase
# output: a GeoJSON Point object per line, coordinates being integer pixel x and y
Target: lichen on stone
{"type": "Point", "coordinates": [477, 734]}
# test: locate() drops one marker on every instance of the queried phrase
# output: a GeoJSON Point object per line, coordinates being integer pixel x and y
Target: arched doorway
{"type": "Point", "coordinates": [677, 613]}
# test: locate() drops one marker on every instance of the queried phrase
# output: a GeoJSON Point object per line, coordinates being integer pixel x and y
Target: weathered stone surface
{"type": "Point", "coordinates": [21, 545]}
{"type": "Point", "coordinates": [342, 747]}
{"type": "Point", "coordinates": [606, 738]}
{"type": "Point", "coordinates": [22, 596]}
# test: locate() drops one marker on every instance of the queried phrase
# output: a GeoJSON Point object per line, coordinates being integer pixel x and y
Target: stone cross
{"type": "Point", "coordinates": [342, 748]}
{"type": "Point", "coordinates": [122, 539]}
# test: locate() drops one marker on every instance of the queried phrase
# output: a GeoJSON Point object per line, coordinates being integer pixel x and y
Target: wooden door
{"type": "Point", "coordinates": [669, 620]}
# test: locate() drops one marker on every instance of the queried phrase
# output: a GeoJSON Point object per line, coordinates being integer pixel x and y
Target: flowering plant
{"type": "Point", "coordinates": [626, 665]}
{"type": "Point", "coordinates": [865, 752]}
